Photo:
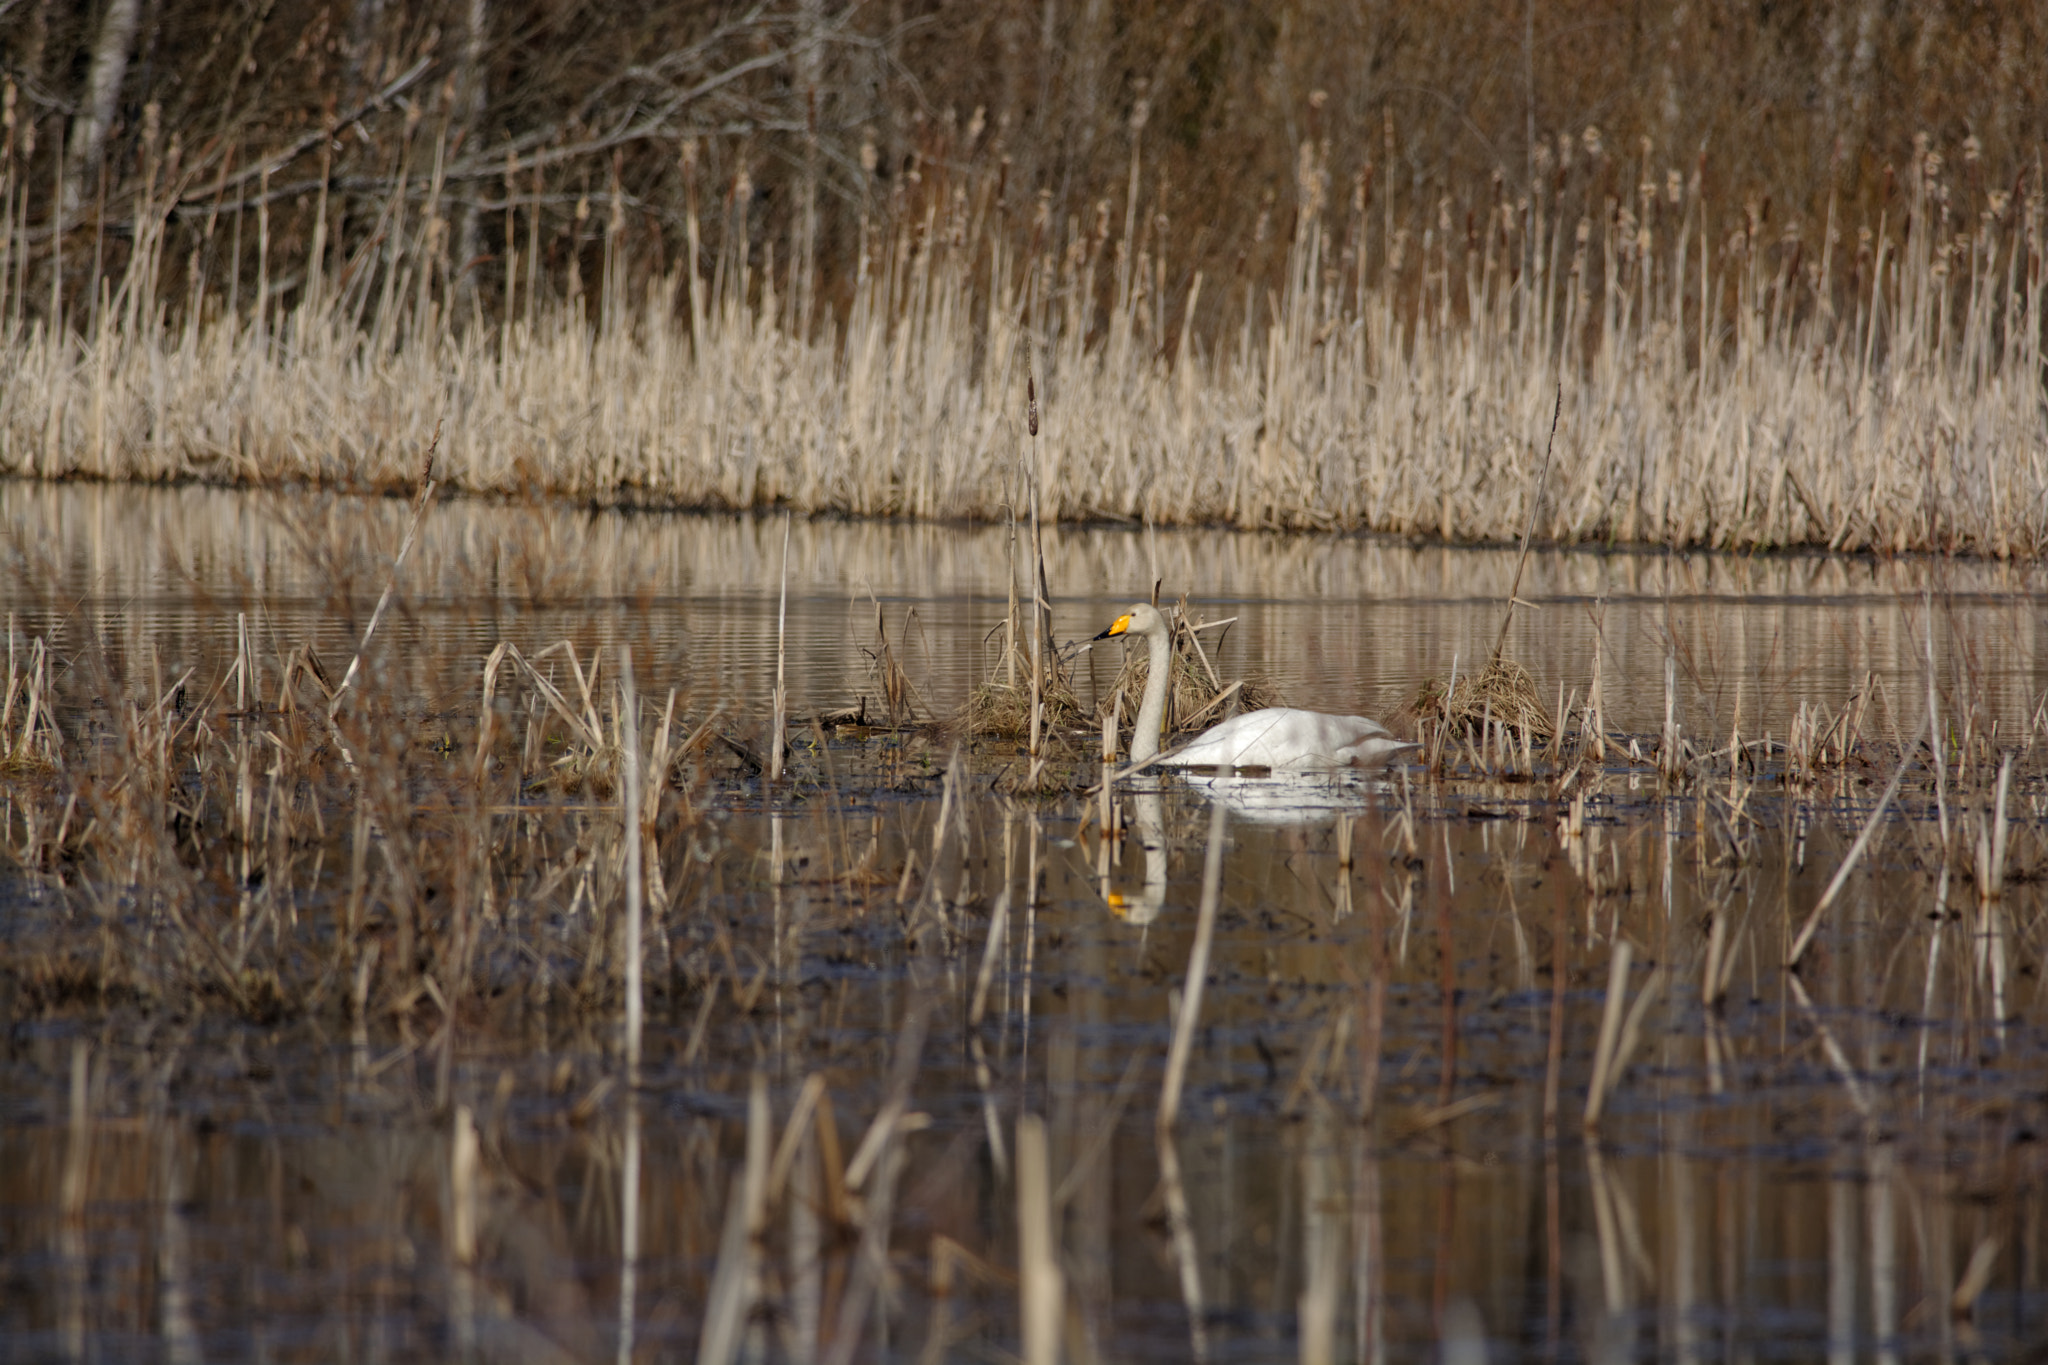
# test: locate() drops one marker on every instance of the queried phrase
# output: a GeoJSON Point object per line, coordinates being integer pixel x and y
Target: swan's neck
{"type": "Point", "coordinates": [1152, 712]}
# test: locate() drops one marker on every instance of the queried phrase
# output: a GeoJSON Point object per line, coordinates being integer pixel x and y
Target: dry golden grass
{"type": "Point", "coordinates": [1503, 693]}
{"type": "Point", "coordinates": [1722, 386]}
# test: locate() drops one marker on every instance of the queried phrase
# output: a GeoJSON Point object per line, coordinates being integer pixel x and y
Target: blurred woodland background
{"type": "Point", "coordinates": [805, 123]}
{"type": "Point", "coordinates": [1312, 265]}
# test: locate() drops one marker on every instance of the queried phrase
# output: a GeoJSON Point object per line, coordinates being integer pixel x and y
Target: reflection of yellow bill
{"type": "Point", "coordinates": [1118, 906]}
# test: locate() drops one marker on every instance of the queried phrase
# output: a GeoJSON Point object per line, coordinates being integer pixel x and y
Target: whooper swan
{"type": "Point", "coordinates": [1277, 737]}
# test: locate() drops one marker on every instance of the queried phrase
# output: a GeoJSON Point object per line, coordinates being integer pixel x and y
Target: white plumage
{"type": "Point", "coordinates": [1280, 737]}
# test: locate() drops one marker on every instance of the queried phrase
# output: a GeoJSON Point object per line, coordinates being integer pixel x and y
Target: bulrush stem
{"type": "Point", "coordinates": [778, 738]}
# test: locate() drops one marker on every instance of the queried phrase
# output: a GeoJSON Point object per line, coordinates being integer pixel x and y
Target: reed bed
{"type": "Point", "coordinates": [1726, 381]}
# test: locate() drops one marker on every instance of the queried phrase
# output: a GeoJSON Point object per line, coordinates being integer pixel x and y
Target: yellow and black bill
{"type": "Point", "coordinates": [1117, 627]}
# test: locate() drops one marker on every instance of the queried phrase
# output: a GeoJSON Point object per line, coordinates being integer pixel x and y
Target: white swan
{"type": "Point", "coordinates": [1277, 737]}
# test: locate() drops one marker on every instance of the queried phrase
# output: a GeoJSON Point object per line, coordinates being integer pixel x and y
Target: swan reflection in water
{"type": "Point", "coordinates": [1284, 800]}
{"type": "Point", "coordinates": [1148, 819]}
{"type": "Point", "coordinates": [1290, 798]}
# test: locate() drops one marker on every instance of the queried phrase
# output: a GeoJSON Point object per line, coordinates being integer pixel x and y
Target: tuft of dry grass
{"type": "Point", "coordinates": [1503, 692]}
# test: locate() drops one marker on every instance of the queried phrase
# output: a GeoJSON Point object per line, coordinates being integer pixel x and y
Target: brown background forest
{"type": "Point", "coordinates": [824, 116]}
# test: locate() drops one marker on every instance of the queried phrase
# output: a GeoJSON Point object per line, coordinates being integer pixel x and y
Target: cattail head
{"type": "Point", "coordinates": [1031, 403]}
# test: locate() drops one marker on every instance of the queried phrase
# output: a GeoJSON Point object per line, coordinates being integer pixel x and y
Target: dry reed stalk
{"type": "Point", "coordinates": [880, 1154]}
{"type": "Point", "coordinates": [412, 528]}
{"type": "Point", "coordinates": [896, 685]}
{"type": "Point", "coordinates": [30, 740]}
{"type": "Point", "coordinates": [778, 734]}
{"type": "Point", "coordinates": [629, 1227]}
{"type": "Point", "coordinates": [1507, 616]}
{"type": "Point", "coordinates": [462, 1188]}
{"type": "Point", "coordinates": [1197, 975]}
{"type": "Point", "coordinates": [1670, 749]}
{"type": "Point", "coordinates": [1181, 1236]}
{"type": "Point", "coordinates": [1934, 734]}
{"type": "Point", "coordinates": [736, 1279]}
{"type": "Point", "coordinates": [1841, 877]}
{"type": "Point", "coordinates": [1992, 836]}
{"type": "Point", "coordinates": [636, 880]}
{"type": "Point", "coordinates": [1041, 1291]}
{"type": "Point", "coordinates": [1610, 1032]}
{"type": "Point", "coordinates": [1041, 626]}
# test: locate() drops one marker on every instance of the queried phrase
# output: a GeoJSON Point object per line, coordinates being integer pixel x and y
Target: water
{"type": "Point", "coordinates": [1382, 1150]}
{"type": "Point", "coordinates": [1339, 623]}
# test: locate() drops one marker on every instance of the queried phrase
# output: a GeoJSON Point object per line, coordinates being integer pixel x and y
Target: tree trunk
{"type": "Point", "coordinates": [102, 92]}
{"type": "Point", "coordinates": [469, 233]}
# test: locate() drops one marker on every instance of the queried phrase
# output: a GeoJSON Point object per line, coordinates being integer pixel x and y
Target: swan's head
{"type": "Point", "coordinates": [1143, 619]}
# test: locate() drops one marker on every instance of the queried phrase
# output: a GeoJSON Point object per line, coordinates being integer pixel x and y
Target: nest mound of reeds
{"type": "Point", "coordinates": [1198, 697]}
{"type": "Point", "coordinates": [1002, 710]}
{"type": "Point", "coordinates": [1503, 692]}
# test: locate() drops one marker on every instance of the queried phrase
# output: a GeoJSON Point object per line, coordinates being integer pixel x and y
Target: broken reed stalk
{"type": "Point", "coordinates": [1528, 532]}
{"type": "Point", "coordinates": [1835, 884]}
{"type": "Point", "coordinates": [412, 528]}
{"type": "Point", "coordinates": [778, 734]}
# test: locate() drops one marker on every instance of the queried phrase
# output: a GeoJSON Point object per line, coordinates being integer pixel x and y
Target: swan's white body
{"type": "Point", "coordinates": [1279, 737]}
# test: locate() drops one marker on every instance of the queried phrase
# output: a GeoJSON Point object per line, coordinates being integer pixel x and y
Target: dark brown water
{"type": "Point", "coordinates": [1382, 1151]}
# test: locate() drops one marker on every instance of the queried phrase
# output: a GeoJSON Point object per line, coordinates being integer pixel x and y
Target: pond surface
{"type": "Point", "coordinates": [1475, 1075]}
